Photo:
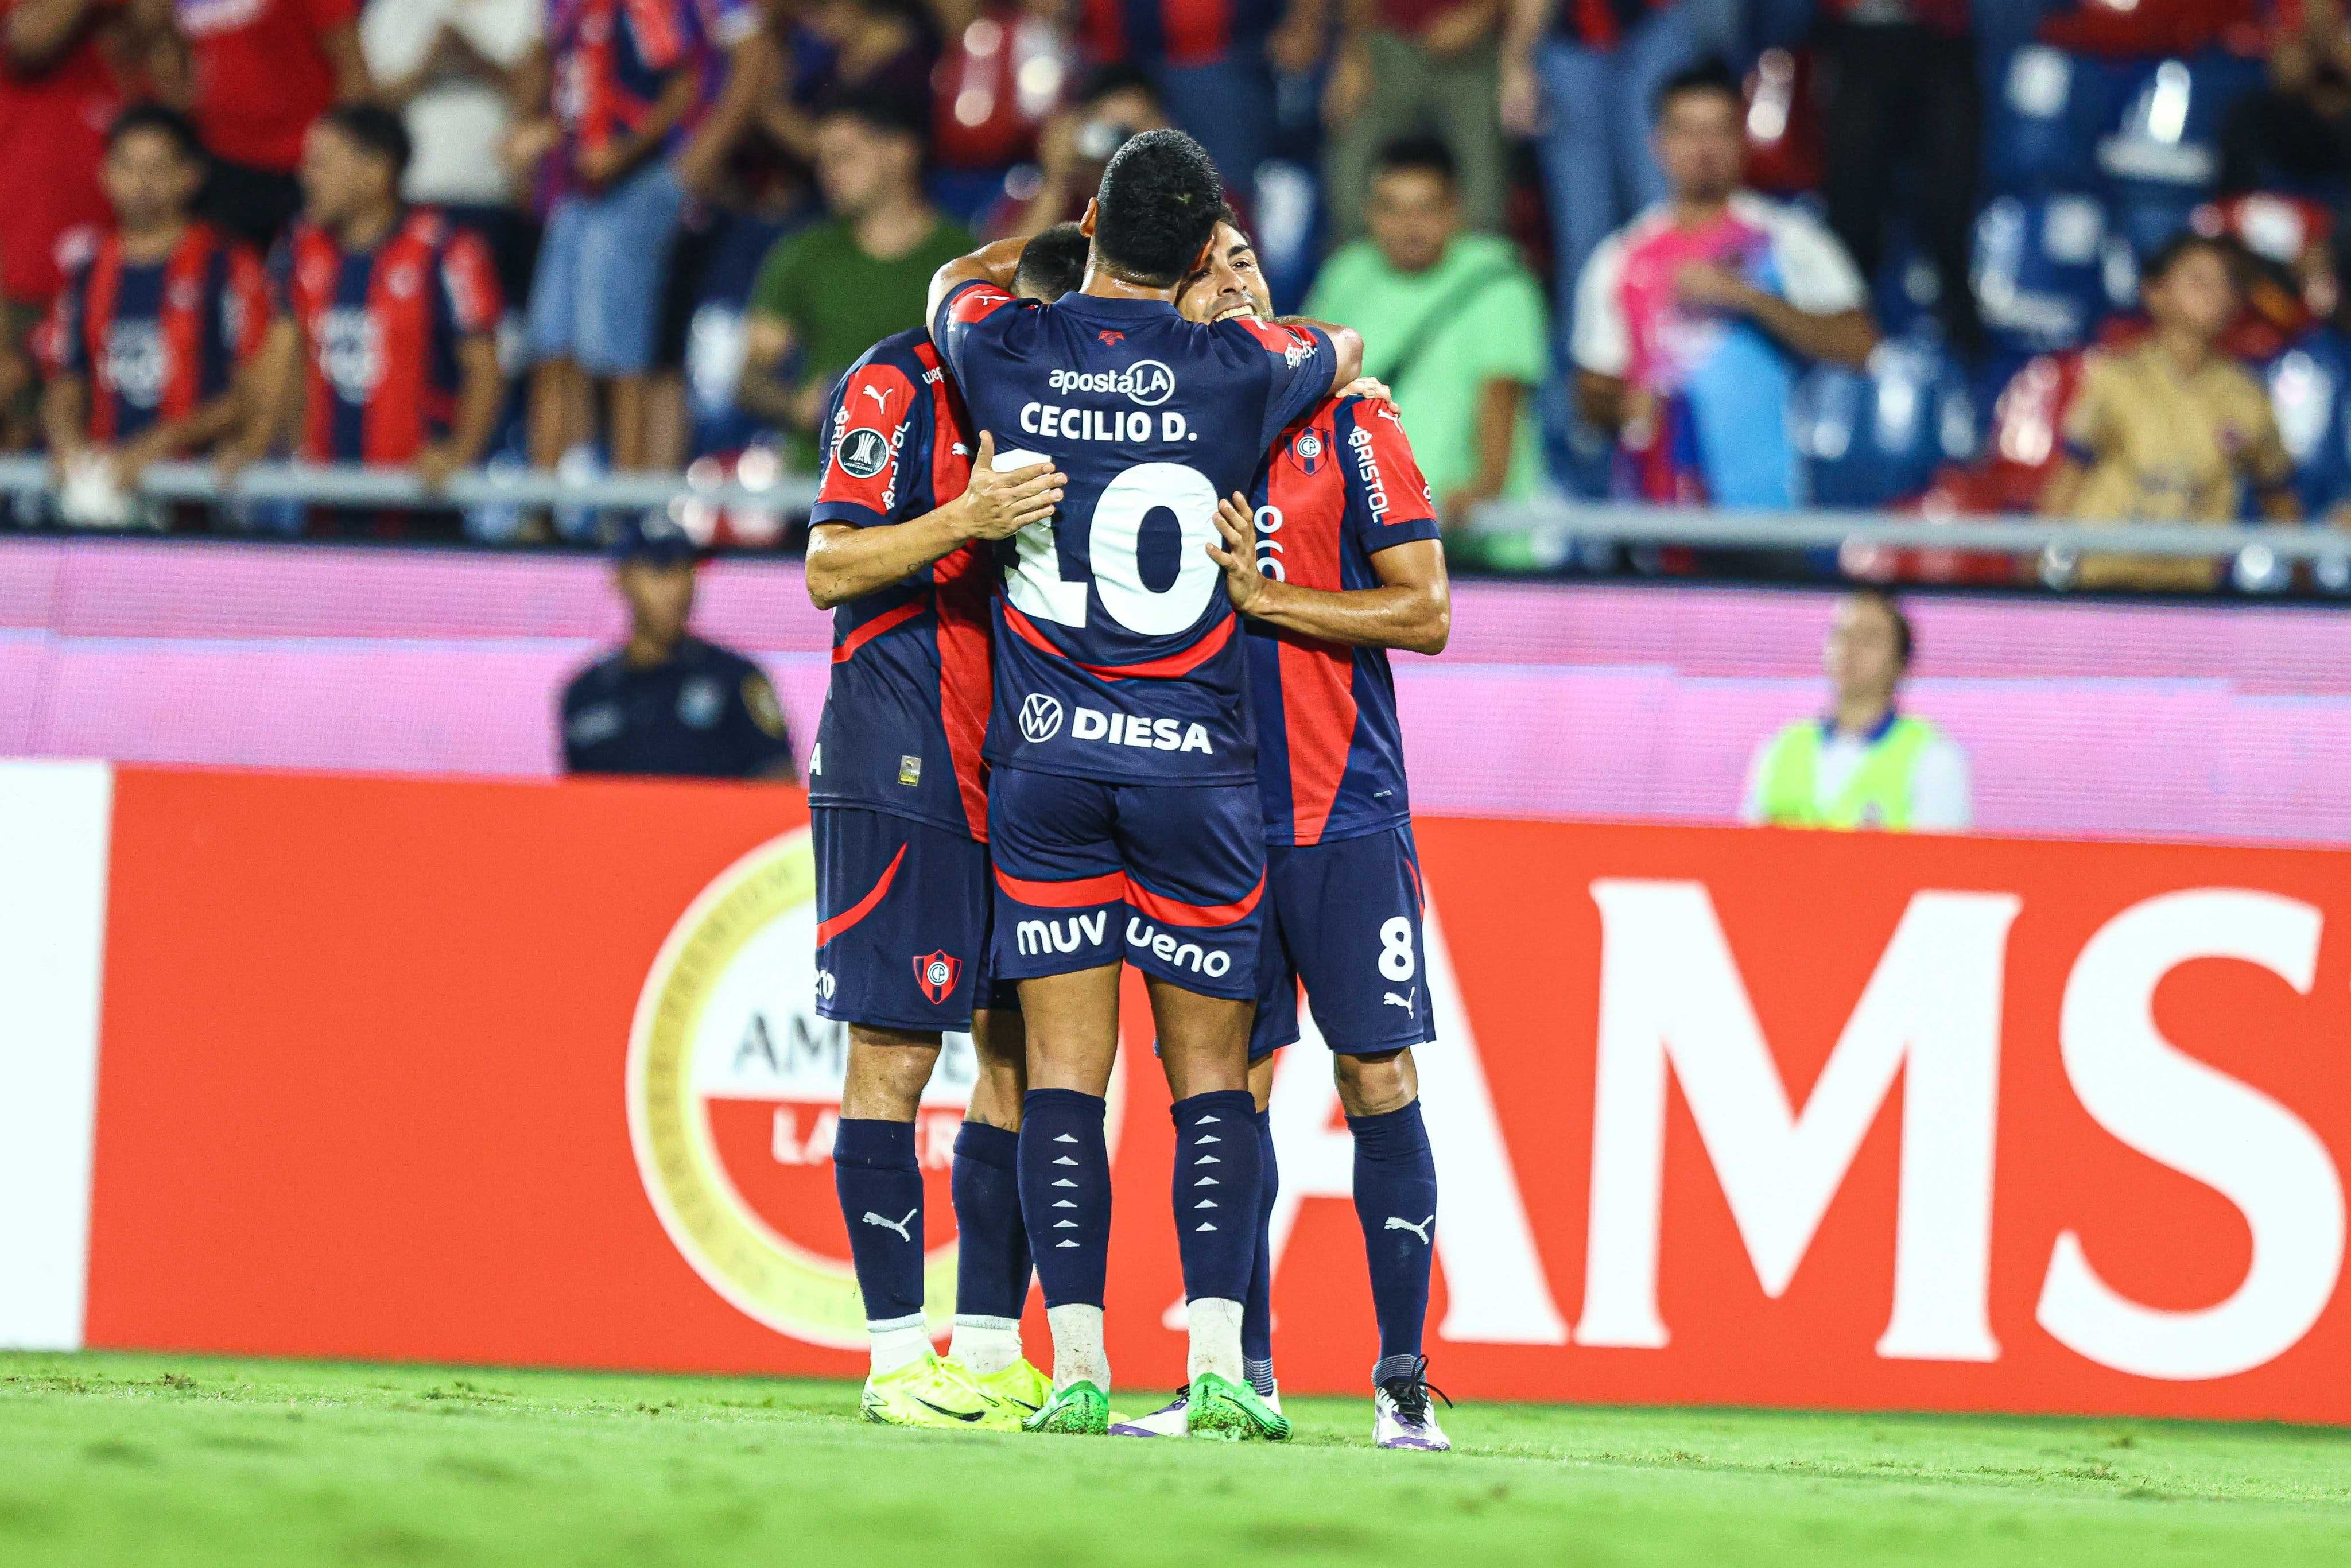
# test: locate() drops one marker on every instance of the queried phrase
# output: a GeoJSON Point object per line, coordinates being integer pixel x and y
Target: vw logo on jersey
{"type": "Point", "coordinates": [1041, 717]}
{"type": "Point", "coordinates": [1149, 382]}
{"type": "Point", "coordinates": [862, 454]}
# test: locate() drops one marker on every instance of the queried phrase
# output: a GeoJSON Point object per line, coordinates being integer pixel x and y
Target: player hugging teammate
{"type": "Point", "coordinates": [1115, 802]}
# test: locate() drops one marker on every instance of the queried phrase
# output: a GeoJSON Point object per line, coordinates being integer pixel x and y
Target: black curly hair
{"type": "Point", "coordinates": [1052, 265]}
{"type": "Point", "coordinates": [1157, 208]}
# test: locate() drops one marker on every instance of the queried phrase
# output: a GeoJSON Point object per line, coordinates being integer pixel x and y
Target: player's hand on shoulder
{"type": "Point", "coordinates": [1370, 388]}
{"type": "Point", "coordinates": [1237, 556]}
{"type": "Point", "coordinates": [1001, 502]}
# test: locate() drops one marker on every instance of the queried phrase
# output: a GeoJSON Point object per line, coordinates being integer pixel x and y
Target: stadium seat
{"type": "Point", "coordinates": [2047, 114]}
{"type": "Point", "coordinates": [2164, 152]}
{"type": "Point", "coordinates": [1875, 437]}
{"type": "Point", "coordinates": [2023, 446]}
{"type": "Point", "coordinates": [2306, 385]}
{"type": "Point", "coordinates": [2042, 270]}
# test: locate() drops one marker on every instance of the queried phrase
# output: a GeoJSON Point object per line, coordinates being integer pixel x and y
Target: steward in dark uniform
{"type": "Point", "coordinates": [666, 702]}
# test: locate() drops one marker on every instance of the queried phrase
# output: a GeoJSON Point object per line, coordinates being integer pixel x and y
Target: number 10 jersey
{"type": "Point", "coordinates": [1117, 653]}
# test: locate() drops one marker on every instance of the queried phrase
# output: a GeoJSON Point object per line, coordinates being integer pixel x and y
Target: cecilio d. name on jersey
{"type": "Point", "coordinates": [1147, 382]}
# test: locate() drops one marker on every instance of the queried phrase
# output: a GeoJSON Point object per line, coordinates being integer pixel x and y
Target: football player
{"type": "Point", "coordinates": [1120, 821]}
{"type": "Point", "coordinates": [901, 549]}
{"type": "Point", "coordinates": [1334, 558]}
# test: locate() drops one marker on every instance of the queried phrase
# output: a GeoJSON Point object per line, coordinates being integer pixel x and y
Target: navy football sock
{"type": "Point", "coordinates": [992, 1245]}
{"type": "Point", "coordinates": [881, 1189]}
{"type": "Point", "coordinates": [1065, 1193]}
{"type": "Point", "coordinates": [1216, 1192]}
{"type": "Point", "coordinates": [1395, 1198]}
{"type": "Point", "coordinates": [1257, 1309]}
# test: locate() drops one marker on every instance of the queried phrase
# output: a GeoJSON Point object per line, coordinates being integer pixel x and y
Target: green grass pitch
{"type": "Point", "coordinates": [182, 1459]}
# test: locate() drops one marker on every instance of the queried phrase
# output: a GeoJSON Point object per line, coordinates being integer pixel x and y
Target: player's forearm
{"type": "Point", "coordinates": [1346, 342]}
{"type": "Point", "coordinates": [846, 563]}
{"type": "Point", "coordinates": [995, 262]}
{"type": "Point", "coordinates": [1417, 618]}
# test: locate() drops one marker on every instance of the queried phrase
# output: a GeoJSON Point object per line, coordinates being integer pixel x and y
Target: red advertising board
{"type": "Point", "coordinates": [527, 1073]}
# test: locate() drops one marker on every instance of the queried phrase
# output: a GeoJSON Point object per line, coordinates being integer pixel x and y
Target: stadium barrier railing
{"type": "Point", "coordinates": [1535, 535]}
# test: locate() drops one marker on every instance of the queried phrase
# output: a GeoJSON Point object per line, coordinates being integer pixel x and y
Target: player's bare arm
{"type": "Point", "coordinates": [845, 563]}
{"type": "Point", "coordinates": [992, 263]}
{"type": "Point", "coordinates": [1347, 345]}
{"type": "Point", "coordinates": [1412, 609]}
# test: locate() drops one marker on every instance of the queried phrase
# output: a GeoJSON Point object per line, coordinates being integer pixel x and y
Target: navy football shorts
{"type": "Point", "coordinates": [1345, 919]}
{"type": "Point", "coordinates": [902, 922]}
{"type": "Point", "coordinates": [1169, 877]}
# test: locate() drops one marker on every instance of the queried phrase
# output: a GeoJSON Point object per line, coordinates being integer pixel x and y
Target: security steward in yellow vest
{"type": "Point", "coordinates": [1865, 764]}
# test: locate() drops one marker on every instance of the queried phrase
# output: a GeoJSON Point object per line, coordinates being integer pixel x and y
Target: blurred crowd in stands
{"type": "Point", "coordinates": [1945, 255]}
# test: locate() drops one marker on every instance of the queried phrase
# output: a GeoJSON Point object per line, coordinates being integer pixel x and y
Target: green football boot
{"type": "Point", "coordinates": [1232, 1413]}
{"type": "Point", "coordinates": [1081, 1410]}
{"type": "Point", "coordinates": [1015, 1393]}
{"type": "Point", "coordinates": [931, 1391]}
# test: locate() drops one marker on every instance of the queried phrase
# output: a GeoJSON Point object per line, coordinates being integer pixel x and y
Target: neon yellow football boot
{"type": "Point", "coordinates": [931, 1392]}
{"type": "Point", "coordinates": [1015, 1393]}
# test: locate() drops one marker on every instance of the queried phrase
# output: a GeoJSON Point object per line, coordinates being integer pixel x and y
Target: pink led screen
{"type": "Point", "coordinates": [1631, 702]}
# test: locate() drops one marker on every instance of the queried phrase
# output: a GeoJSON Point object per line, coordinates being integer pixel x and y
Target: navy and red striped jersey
{"type": "Point", "coordinates": [1342, 486]}
{"type": "Point", "coordinates": [1177, 32]}
{"type": "Point", "coordinates": [908, 702]}
{"type": "Point", "coordinates": [381, 329]}
{"type": "Point", "coordinates": [612, 58]}
{"type": "Point", "coordinates": [158, 341]}
{"type": "Point", "coordinates": [1116, 653]}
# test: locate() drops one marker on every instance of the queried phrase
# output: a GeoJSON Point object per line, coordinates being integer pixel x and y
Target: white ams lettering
{"type": "Point", "coordinates": [1672, 1000]}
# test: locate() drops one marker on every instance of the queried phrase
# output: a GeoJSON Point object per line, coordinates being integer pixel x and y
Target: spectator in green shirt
{"type": "Point", "coordinates": [831, 291]}
{"type": "Point", "coordinates": [1452, 321]}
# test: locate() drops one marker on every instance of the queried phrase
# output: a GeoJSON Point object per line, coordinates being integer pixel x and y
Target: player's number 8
{"type": "Point", "coordinates": [1036, 587]}
{"type": "Point", "coordinates": [1395, 949]}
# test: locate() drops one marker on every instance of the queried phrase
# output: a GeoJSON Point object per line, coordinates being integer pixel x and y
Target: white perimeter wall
{"type": "Point", "coordinates": [54, 824]}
